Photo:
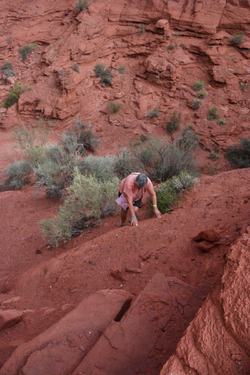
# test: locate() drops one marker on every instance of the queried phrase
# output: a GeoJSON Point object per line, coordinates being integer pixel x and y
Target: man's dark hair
{"type": "Point", "coordinates": [141, 180]}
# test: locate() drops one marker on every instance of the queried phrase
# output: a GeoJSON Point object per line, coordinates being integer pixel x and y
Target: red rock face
{"type": "Point", "coordinates": [217, 340]}
{"type": "Point", "coordinates": [163, 48]}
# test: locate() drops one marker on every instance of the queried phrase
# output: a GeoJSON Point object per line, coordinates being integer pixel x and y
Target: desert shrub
{"type": "Point", "coordinates": [75, 67]}
{"type": "Point", "coordinates": [7, 71]}
{"type": "Point", "coordinates": [105, 74]}
{"type": "Point", "coordinates": [24, 51]}
{"type": "Point", "coordinates": [122, 69]}
{"type": "Point", "coordinates": [55, 170]}
{"type": "Point", "coordinates": [196, 104]}
{"type": "Point", "coordinates": [79, 138]}
{"type": "Point", "coordinates": [199, 85]}
{"type": "Point", "coordinates": [141, 29]}
{"type": "Point", "coordinates": [114, 107]}
{"type": "Point", "coordinates": [101, 167]}
{"type": "Point", "coordinates": [125, 163]}
{"type": "Point", "coordinates": [237, 39]}
{"type": "Point", "coordinates": [32, 142]}
{"type": "Point", "coordinates": [14, 94]}
{"type": "Point", "coordinates": [244, 86]}
{"type": "Point", "coordinates": [167, 193]}
{"type": "Point", "coordinates": [222, 121]}
{"type": "Point", "coordinates": [202, 94]}
{"type": "Point", "coordinates": [213, 115]}
{"type": "Point", "coordinates": [188, 140]}
{"type": "Point", "coordinates": [239, 156]}
{"type": "Point", "coordinates": [174, 123]}
{"type": "Point", "coordinates": [213, 156]}
{"type": "Point", "coordinates": [18, 173]}
{"type": "Point", "coordinates": [81, 5]}
{"type": "Point", "coordinates": [154, 113]}
{"type": "Point", "coordinates": [170, 47]}
{"type": "Point", "coordinates": [161, 160]}
{"type": "Point", "coordinates": [86, 201]}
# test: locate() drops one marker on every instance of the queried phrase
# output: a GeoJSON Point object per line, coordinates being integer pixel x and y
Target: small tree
{"type": "Point", "coordinates": [174, 123]}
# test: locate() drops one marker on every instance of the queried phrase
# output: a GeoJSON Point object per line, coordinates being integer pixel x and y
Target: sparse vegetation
{"type": "Point", "coordinates": [199, 85]}
{"type": "Point", "coordinates": [86, 201]}
{"type": "Point", "coordinates": [174, 123]}
{"type": "Point", "coordinates": [214, 155]}
{"type": "Point", "coordinates": [237, 39]}
{"type": "Point", "coordinates": [170, 47]}
{"type": "Point", "coordinates": [7, 71]}
{"type": "Point", "coordinates": [222, 121]}
{"type": "Point", "coordinates": [79, 138]}
{"type": "Point", "coordinates": [213, 115]}
{"type": "Point", "coordinates": [103, 73]}
{"type": "Point", "coordinates": [82, 5]}
{"type": "Point", "coordinates": [75, 67]}
{"type": "Point", "coordinates": [14, 95]}
{"type": "Point", "coordinates": [244, 86]}
{"type": "Point", "coordinates": [114, 107]}
{"type": "Point", "coordinates": [170, 191]}
{"type": "Point", "coordinates": [196, 104]}
{"type": "Point", "coordinates": [122, 69]}
{"type": "Point", "coordinates": [154, 113]}
{"type": "Point", "coordinates": [18, 173]}
{"type": "Point", "coordinates": [141, 29]}
{"type": "Point", "coordinates": [202, 94]}
{"type": "Point", "coordinates": [239, 155]}
{"type": "Point", "coordinates": [24, 51]}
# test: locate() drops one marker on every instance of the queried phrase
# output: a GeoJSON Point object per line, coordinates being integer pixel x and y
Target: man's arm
{"type": "Point", "coordinates": [131, 209]}
{"type": "Point", "coordinates": [154, 201]}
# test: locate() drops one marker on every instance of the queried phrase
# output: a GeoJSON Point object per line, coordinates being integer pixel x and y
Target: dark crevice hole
{"type": "Point", "coordinates": [123, 310]}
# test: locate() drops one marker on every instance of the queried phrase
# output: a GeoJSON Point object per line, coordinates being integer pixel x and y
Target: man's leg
{"type": "Point", "coordinates": [123, 216]}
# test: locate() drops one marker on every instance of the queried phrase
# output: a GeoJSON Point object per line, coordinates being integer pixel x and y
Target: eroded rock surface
{"type": "Point", "coordinates": [217, 341]}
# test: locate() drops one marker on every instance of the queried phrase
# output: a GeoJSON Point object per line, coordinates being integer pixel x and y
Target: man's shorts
{"type": "Point", "coordinates": [136, 203]}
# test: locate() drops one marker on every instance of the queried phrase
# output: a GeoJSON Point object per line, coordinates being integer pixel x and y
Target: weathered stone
{"type": "Point", "coordinates": [9, 317]}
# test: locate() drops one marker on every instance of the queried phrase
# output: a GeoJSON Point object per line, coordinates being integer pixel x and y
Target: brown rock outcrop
{"type": "Point", "coordinates": [217, 341]}
{"type": "Point", "coordinates": [61, 348]}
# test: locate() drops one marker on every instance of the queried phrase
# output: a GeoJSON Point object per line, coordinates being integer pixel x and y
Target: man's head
{"type": "Point", "coordinates": [141, 180]}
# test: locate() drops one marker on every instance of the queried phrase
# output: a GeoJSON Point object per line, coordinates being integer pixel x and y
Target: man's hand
{"type": "Point", "coordinates": [157, 212]}
{"type": "Point", "coordinates": [134, 222]}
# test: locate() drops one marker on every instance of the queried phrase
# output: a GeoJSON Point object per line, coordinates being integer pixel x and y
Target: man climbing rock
{"type": "Point", "coordinates": [131, 190]}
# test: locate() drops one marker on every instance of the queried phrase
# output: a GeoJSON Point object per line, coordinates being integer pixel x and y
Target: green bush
{"type": "Point", "coordinates": [161, 160]}
{"type": "Point", "coordinates": [86, 201]}
{"type": "Point", "coordinates": [170, 47]}
{"type": "Point", "coordinates": [75, 67]}
{"type": "Point", "coordinates": [114, 107]}
{"type": "Point", "coordinates": [122, 69]}
{"type": "Point", "coordinates": [101, 167]}
{"type": "Point", "coordinates": [7, 71]}
{"type": "Point", "coordinates": [239, 156]}
{"type": "Point", "coordinates": [142, 28]}
{"type": "Point", "coordinates": [222, 121]}
{"type": "Point", "coordinates": [32, 142]}
{"type": "Point", "coordinates": [188, 140]}
{"type": "Point", "coordinates": [125, 163]}
{"type": "Point", "coordinates": [196, 104]}
{"type": "Point", "coordinates": [55, 170]}
{"type": "Point", "coordinates": [154, 113]}
{"type": "Point", "coordinates": [174, 123]}
{"type": "Point", "coordinates": [81, 5]}
{"type": "Point", "coordinates": [244, 86]}
{"type": "Point", "coordinates": [105, 74]}
{"type": "Point", "coordinates": [202, 94]}
{"type": "Point", "coordinates": [19, 174]}
{"type": "Point", "coordinates": [79, 138]}
{"type": "Point", "coordinates": [14, 95]}
{"type": "Point", "coordinates": [169, 192]}
{"type": "Point", "coordinates": [199, 85]}
{"type": "Point", "coordinates": [24, 51]}
{"type": "Point", "coordinates": [213, 115]}
{"type": "Point", "coordinates": [237, 38]}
